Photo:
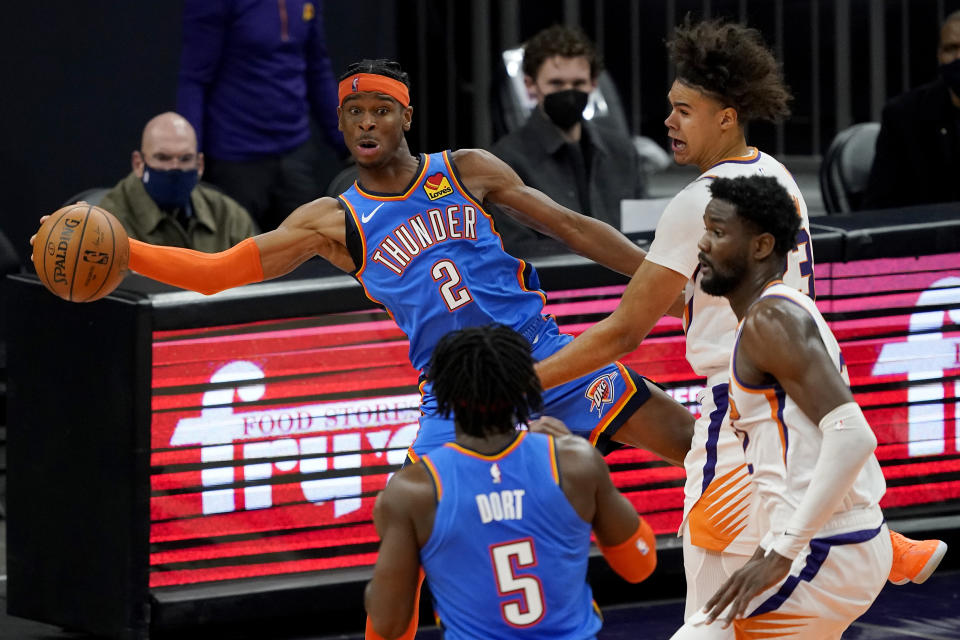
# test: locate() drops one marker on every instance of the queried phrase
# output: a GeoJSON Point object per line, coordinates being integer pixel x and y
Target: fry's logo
{"type": "Point", "coordinates": [437, 186]}
{"type": "Point", "coordinates": [284, 438]}
{"type": "Point", "coordinates": [600, 392]}
{"type": "Point", "coordinates": [925, 358]}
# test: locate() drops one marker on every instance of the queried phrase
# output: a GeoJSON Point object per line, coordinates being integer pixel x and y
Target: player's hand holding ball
{"type": "Point", "coordinates": [81, 252]}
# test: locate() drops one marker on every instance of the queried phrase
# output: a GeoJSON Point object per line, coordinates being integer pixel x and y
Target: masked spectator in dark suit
{"type": "Point", "coordinates": [581, 165]}
{"type": "Point", "coordinates": [918, 150]}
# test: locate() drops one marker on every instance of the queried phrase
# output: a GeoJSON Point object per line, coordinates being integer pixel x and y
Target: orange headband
{"type": "Point", "coordinates": [374, 82]}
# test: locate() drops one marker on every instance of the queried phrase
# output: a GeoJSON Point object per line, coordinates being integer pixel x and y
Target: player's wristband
{"type": "Point", "coordinates": [202, 272]}
{"type": "Point", "coordinates": [789, 546]}
{"type": "Point", "coordinates": [636, 557]}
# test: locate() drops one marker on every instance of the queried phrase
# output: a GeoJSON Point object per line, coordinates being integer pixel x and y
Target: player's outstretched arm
{"type": "Point", "coordinates": [491, 180]}
{"type": "Point", "coordinates": [626, 539]}
{"type": "Point", "coordinates": [652, 291]}
{"type": "Point", "coordinates": [316, 228]}
{"type": "Point", "coordinates": [403, 515]}
{"type": "Point", "coordinates": [803, 367]}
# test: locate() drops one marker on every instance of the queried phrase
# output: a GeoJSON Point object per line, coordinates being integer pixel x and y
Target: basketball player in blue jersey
{"type": "Point", "coordinates": [499, 519]}
{"type": "Point", "coordinates": [414, 233]}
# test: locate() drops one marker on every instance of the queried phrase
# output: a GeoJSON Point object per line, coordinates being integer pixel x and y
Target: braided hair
{"type": "Point", "coordinates": [485, 377]}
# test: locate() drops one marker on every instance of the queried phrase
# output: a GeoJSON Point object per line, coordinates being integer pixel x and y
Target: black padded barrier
{"type": "Point", "coordinates": [79, 416]}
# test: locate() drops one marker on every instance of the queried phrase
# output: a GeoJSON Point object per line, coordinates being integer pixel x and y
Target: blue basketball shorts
{"type": "Point", "coordinates": [594, 406]}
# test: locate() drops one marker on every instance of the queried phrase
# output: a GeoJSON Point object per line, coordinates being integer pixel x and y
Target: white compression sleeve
{"type": "Point", "coordinates": [847, 444]}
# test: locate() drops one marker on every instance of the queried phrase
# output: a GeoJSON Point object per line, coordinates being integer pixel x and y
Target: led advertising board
{"type": "Point", "coordinates": [270, 440]}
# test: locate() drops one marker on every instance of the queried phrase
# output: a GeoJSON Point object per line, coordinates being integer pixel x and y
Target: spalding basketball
{"type": "Point", "coordinates": [81, 252]}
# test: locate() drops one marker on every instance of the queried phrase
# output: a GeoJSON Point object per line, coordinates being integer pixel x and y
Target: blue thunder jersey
{"type": "Point", "coordinates": [432, 258]}
{"type": "Point", "coordinates": [507, 557]}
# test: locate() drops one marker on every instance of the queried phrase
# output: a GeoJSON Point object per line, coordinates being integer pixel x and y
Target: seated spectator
{"type": "Point", "coordinates": [162, 201]}
{"type": "Point", "coordinates": [584, 167]}
{"type": "Point", "coordinates": [918, 149]}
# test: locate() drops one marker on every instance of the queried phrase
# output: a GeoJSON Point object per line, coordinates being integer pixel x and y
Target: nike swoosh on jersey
{"type": "Point", "coordinates": [365, 218]}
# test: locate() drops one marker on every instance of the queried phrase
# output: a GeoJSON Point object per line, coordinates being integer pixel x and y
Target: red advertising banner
{"type": "Point", "coordinates": [270, 440]}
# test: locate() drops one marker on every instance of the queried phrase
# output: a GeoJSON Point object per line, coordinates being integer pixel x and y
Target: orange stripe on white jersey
{"type": "Point", "coordinates": [721, 512]}
{"type": "Point", "coordinates": [752, 153]}
{"type": "Point", "coordinates": [772, 624]}
{"type": "Point", "coordinates": [773, 394]}
{"type": "Point", "coordinates": [776, 399]}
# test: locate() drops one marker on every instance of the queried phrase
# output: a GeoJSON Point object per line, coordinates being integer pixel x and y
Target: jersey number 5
{"type": "Point", "coordinates": [446, 272]}
{"type": "Point", "coordinates": [526, 608]}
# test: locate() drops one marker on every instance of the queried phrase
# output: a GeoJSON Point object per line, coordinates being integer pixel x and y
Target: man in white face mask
{"type": "Point", "coordinates": [162, 201]}
{"type": "Point", "coordinates": [582, 166]}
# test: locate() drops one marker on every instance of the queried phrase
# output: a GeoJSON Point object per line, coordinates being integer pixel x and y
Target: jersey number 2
{"type": "Point", "coordinates": [447, 272]}
{"type": "Point", "coordinates": [526, 608]}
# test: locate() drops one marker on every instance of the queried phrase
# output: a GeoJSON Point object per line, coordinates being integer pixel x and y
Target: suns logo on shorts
{"type": "Point", "coordinates": [437, 186]}
{"type": "Point", "coordinates": [600, 392]}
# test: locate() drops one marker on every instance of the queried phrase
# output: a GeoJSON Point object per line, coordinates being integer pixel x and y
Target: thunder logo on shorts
{"type": "Point", "coordinates": [600, 392]}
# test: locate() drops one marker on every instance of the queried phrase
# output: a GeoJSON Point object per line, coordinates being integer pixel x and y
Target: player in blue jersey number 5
{"type": "Point", "coordinates": [500, 519]}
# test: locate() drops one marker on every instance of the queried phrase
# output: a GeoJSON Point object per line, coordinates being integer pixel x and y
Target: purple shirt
{"type": "Point", "coordinates": [251, 73]}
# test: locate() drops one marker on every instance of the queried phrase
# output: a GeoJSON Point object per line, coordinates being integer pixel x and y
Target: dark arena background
{"type": "Point", "coordinates": [180, 466]}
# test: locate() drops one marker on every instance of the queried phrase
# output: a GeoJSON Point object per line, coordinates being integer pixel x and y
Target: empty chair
{"type": "Point", "coordinates": [845, 170]}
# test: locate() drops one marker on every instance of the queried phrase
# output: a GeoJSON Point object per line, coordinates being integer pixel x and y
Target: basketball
{"type": "Point", "coordinates": [81, 253]}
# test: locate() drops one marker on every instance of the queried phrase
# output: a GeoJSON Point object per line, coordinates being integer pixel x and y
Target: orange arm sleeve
{"type": "Point", "coordinates": [635, 558]}
{"type": "Point", "coordinates": [411, 632]}
{"type": "Point", "coordinates": [204, 273]}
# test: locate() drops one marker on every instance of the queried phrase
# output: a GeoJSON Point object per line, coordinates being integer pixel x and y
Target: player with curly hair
{"type": "Point", "coordinates": [726, 78]}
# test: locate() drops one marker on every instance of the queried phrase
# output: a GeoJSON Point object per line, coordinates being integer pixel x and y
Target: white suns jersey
{"type": "Point", "coordinates": [781, 444]}
{"type": "Point", "coordinates": [708, 321]}
{"type": "Point", "coordinates": [717, 490]}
